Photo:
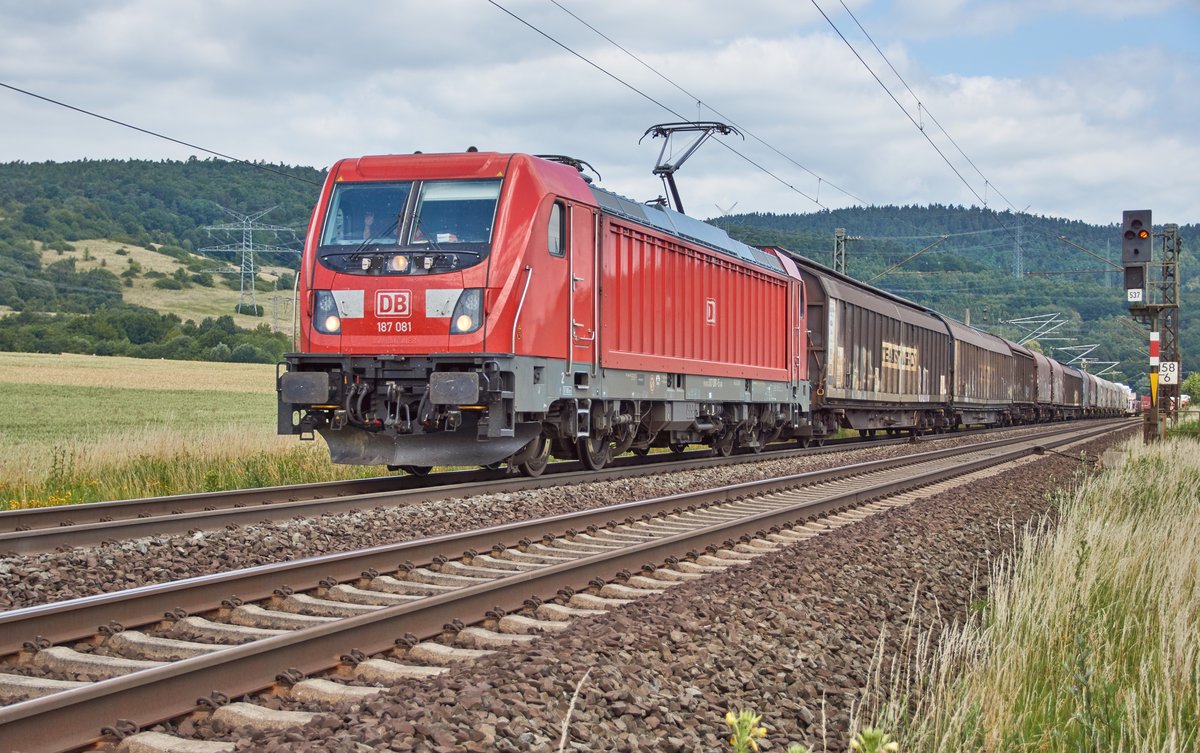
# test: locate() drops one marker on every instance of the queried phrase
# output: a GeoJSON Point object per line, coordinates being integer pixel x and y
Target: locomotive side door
{"type": "Point", "coordinates": [585, 292]}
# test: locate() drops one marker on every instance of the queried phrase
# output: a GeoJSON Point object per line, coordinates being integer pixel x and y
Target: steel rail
{"type": "Point", "coordinates": [47, 529]}
{"type": "Point", "coordinates": [169, 516]}
{"type": "Point", "coordinates": [78, 618]}
{"type": "Point", "coordinates": [33, 519]}
{"type": "Point", "coordinates": [72, 718]}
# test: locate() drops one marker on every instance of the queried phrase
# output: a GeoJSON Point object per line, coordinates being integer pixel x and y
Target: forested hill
{"type": "Point", "coordinates": [954, 259]}
{"type": "Point", "coordinates": [47, 209]}
{"type": "Point", "coordinates": [144, 202]}
{"type": "Point", "coordinates": [100, 257]}
{"type": "Point", "coordinates": [976, 238]}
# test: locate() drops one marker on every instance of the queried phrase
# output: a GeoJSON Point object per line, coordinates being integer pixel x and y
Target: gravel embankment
{"type": "Point", "coordinates": [27, 580]}
{"type": "Point", "coordinates": [791, 635]}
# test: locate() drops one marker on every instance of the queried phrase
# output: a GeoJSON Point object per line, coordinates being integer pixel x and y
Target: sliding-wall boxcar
{"type": "Point", "coordinates": [1072, 395]}
{"type": "Point", "coordinates": [876, 361]}
{"type": "Point", "coordinates": [983, 376]}
{"type": "Point", "coordinates": [1025, 384]}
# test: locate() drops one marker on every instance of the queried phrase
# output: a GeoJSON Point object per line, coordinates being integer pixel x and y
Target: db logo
{"type": "Point", "coordinates": [393, 303]}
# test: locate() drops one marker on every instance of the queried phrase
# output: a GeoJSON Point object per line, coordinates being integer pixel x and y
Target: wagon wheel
{"type": "Point", "coordinates": [534, 466]}
{"type": "Point", "coordinates": [641, 452]}
{"type": "Point", "coordinates": [417, 470]}
{"type": "Point", "coordinates": [678, 447]}
{"type": "Point", "coordinates": [723, 444]}
{"type": "Point", "coordinates": [595, 453]}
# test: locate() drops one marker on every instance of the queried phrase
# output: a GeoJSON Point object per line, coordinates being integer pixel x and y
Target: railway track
{"type": "Point", "coordinates": [48, 529]}
{"type": "Point", "coordinates": [356, 605]}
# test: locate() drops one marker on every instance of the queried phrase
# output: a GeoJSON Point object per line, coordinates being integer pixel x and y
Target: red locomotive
{"type": "Point", "coordinates": [452, 313]}
{"type": "Point", "coordinates": [483, 308]}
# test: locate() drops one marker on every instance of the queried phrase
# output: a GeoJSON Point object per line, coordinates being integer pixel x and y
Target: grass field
{"type": "Point", "coordinates": [86, 428]}
{"type": "Point", "coordinates": [195, 303]}
{"type": "Point", "coordinates": [1089, 639]}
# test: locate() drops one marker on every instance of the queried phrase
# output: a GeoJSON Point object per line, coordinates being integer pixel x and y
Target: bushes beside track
{"type": "Point", "coordinates": [126, 330]}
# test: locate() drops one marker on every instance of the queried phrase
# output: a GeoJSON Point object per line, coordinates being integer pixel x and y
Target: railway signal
{"type": "Point", "coordinates": [1136, 237]}
{"type": "Point", "coordinates": [1136, 251]}
{"type": "Point", "coordinates": [1152, 291]}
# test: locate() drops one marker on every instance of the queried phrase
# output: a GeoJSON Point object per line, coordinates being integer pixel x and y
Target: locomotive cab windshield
{"type": "Point", "coordinates": [412, 227]}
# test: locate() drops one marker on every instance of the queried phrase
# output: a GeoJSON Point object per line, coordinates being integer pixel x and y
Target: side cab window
{"type": "Point", "coordinates": [556, 233]}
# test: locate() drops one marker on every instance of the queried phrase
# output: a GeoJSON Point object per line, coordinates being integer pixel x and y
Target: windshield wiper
{"type": "Point", "coordinates": [431, 240]}
{"type": "Point", "coordinates": [358, 252]}
{"type": "Point", "coordinates": [433, 245]}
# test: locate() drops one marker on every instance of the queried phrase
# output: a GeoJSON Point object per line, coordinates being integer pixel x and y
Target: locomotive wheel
{"type": "Point", "coordinates": [595, 453]}
{"type": "Point", "coordinates": [492, 466]}
{"type": "Point", "coordinates": [678, 447]}
{"type": "Point", "coordinates": [641, 452]}
{"type": "Point", "coordinates": [536, 464]}
{"type": "Point", "coordinates": [417, 470]}
{"type": "Point", "coordinates": [723, 445]}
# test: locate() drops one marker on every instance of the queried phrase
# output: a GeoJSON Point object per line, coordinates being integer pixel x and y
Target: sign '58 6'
{"type": "Point", "coordinates": [1168, 372]}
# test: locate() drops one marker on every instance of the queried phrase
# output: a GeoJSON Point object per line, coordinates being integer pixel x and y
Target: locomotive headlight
{"type": "Point", "coordinates": [468, 312]}
{"type": "Point", "coordinates": [326, 317]}
{"type": "Point", "coordinates": [398, 263]}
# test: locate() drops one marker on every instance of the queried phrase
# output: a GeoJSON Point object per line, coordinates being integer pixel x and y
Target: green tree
{"type": "Point", "coordinates": [1191, 385]}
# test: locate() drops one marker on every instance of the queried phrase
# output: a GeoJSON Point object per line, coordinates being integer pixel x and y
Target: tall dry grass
{"type": "Point", "coordinates": [1090, 638]}
{"type": "Point", "coordinates": [167, 461]}
{"type": "Point", "coordinates": [87, 428]}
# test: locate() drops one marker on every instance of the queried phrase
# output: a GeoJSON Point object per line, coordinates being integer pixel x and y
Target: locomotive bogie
{"type": "Point", "coordinates": [451, 411]}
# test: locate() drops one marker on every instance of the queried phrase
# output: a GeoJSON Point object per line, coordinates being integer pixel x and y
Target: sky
{"type": "Point", "coordinates": [1069, 108]}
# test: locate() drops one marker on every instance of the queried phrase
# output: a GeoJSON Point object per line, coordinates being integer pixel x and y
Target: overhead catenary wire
{"type": "Point", "coordinates": [648, 97]}
{"type": "Point", "coordinates": [922, 108]}
{"type": "Point", "coordinates": [815, 200]}
{"type": "Point", "coordinates": [820, 180]}
{"type": "Point", "coordinates": [920, 127]}
{"type": "Point", "coordinates": [908, 115]}
{"type": "Point", "coordinates": [155, 134]}
{"type": "Point", "coordinates": [907, 259]}
{"type": "Point", "coordinates": [903, 109]}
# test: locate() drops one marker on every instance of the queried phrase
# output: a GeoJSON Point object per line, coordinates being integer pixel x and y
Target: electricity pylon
{"type": "Point", "coordinates": [247, 224]}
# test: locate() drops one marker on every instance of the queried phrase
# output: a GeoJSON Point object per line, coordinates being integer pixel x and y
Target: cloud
{"type": "Point", "coordinates": [308, 83]}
